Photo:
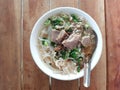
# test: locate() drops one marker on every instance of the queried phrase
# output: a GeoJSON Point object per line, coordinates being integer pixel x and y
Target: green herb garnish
{"type": "Point", "coordinates": [53, 44]}
{"type": "Point", "coordinates": [69, 30]}
{"type": "Point", "coordinates": [75, 18]}
{"type": "Point", "coordinates": [79, 59]}
{"type": "Point", "coordinates": [86, 26]}
{"type": "Point", "coordinates": [57, 21]}
{"type": "Point", "coordinates": [65, 17]}
{"type": "Point", "coordinates": [74, 53]}
{"type": "Point", "coordinates": [64, 54]}
{"type": "Point", "coordinates": [47, 22]}
{"type": "Point", "coordinates": [78, 68]}
{"type": "Point", "coordinates": [45, 41]}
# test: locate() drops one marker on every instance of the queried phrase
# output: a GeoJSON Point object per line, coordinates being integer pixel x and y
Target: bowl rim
{"type": "Point", "coordinates": [68, 77]}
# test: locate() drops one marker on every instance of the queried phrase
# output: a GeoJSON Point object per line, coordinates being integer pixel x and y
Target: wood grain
{"type": "Point", "coordinates": [33, 78]}
{"type": "Point", "coordinates": [96, 9]}
{"type": "Point", "coordinates": [64, 85]}
{"type": "Point", "coordinates": [10, 71]}
{"type": "Point", "coordinates": [17, 68]}
{"type": "Point", "coordinates": [57, 84]}
{"type": "Point", "coordinates": [64, 3]}
{"type": "Point", "coordinates": [113, 43]}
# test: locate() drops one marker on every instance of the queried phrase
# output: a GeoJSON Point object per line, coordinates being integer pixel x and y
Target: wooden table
{"type": "Point", "coordinates": [17, 68]}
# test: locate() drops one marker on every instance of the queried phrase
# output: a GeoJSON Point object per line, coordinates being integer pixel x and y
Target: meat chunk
{"type": "Point", "coordinates": [72, 41]}
{"type": "Point", "coordinates": [54, 35]}
{"type": "Point", "coordinates": [86, 41]}
{"type": "Point", "coordinates": [58, 36]}
{"type": "Point", "coordinates": [61, 36]}
{"type": "Point", "coordinates": [58, 48]}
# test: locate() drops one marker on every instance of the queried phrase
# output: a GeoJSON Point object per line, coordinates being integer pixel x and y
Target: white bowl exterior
{"type": "Point", "coordinates": [34, 42]}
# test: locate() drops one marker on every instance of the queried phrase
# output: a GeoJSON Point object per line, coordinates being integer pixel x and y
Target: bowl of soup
{"type": "Point", "coordinates": [62, 40]}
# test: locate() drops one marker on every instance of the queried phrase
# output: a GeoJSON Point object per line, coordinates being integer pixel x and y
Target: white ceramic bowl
{"type": "Point", "coordinates": [34, 41]}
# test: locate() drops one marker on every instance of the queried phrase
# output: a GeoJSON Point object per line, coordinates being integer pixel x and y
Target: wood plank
{"type": "Point", "coordinates": [33, 78]}
{"type": "Point", "coordinates": [64, 3]}
{"type": "Point", "coordinates": [64, 85]}
{"type": "Point", "coordinates": [10, 15]}
{"type": "Point", "coordinates": [113, 43]}
{"type": "Point", "coordinates": [96, 9]}
{"type": "Point", "coordinates": [57, 84]}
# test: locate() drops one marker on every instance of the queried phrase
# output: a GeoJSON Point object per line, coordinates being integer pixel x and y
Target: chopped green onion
{"type": "Point", "coordinates": [47, 22]}
{"type": "Point", "coordinates": [64, 54]}
{"type": "Point", "coordinates": [65, 17]}
{"type": "Point", "coordinates": [45, 43]}
{"type": "Point", "coordinates": [75, 18]}
{"type": "Point", "coordinates": [57, 21]}
{"type": "Point", "coordinates": [67, 25]}
{"type": "Point", "coordinates": [69, 30]}
{"type": "Point", "coordinates": [75, 53]}
{"type": "Point", "coordinates": [86, 26]}
{"type": "Point", "coordinates": [78, 68]}
{"type": "Point", "coordinates": [79, 59]}
{"type": "Point", "coordinates": [53, 18]}
{"type": "Point", "coordinates": [53, 44]}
